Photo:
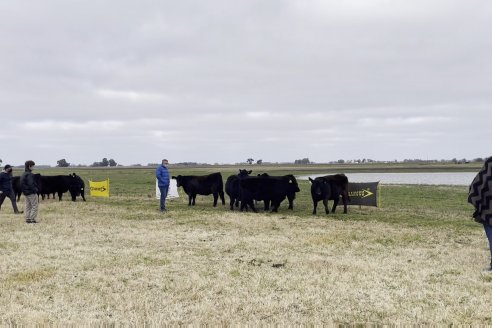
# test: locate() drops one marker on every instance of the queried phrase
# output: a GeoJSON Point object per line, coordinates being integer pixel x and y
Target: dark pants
{"type": "Point", "coordinates": [163, 191]}
{"type": "Point", "coordinates": [10, 195]}
{"type": "Point", "coordinates": [488, 232]}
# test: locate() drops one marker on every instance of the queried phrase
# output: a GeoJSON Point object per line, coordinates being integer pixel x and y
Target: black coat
{"type": "Point", "coordinates": [6, 182]}
{"type": "Point", "coordinates": [28, 183]}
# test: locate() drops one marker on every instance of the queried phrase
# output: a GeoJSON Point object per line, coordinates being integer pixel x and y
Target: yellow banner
{"type": "Point", "coordinates": [99, 188]}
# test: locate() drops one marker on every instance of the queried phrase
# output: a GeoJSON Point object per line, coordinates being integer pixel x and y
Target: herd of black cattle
{"type": "Point", "coordinates": [242, 189]}
{"type": "Point", "coordinates": [52, 185]}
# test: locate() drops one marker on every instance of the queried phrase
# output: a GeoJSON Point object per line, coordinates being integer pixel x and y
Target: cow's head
{"type": "Point", "coordinates": [244, 173]}
{"type": "Point", "coordinates": [76, 186]}
{"type": "Point", "coordinates": [293, 186]}
{"type": "Point", "coordinates": [179, 180]}
{"type": "Point", "coordinates": [318, 186]}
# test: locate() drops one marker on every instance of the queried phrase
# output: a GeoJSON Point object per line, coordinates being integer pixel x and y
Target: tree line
{"type": "Point", "coordinates": [104, 163]}
{"type": "Point", "coordinates": [303, 161]}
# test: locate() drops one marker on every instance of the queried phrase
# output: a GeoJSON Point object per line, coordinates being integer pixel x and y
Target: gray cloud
{"type": "Point", "coordinates": [221, 81]}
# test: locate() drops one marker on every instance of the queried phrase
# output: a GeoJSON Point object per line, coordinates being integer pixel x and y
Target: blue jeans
{"type": "Point", "coordinates": [488, 232]}
{"type": "Point", "coordinates": [163, 197]}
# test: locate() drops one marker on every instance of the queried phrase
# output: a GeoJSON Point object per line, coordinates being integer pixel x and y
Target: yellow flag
{"type": "Point", "coordinates": [99, 188]}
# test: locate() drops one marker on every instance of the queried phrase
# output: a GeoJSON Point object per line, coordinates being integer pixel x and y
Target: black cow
{"type": "Point", "coordinates": [321, 189]}
{"type": "Point", "coordinates": [330, 187]}
{"type": "Point", "coordinates": [202, 185]}
{"type": "Point", "coordinates": [48, 187]}
{"type": "Point", "coordinates": [291, 194]}
{"type": "Point", "coordinates": [16, 185]}
{"type": "Point", "coordinates": [232, 187]}
{"type": "Point", "coordinates": [59, 184]}
{"type": "Point", "coordinates": [270, 189]}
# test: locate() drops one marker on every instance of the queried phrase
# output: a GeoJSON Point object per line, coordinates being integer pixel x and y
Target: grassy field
{"type": "Point", "coordinates": [416, 260]}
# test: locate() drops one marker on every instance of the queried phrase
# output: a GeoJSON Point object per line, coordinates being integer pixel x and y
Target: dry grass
{"type": "Point", "coordinates": [104, 262]}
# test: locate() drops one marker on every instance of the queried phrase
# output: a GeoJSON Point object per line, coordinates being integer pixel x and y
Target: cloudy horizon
{"type": "Point", "coordinates": [221, 81]}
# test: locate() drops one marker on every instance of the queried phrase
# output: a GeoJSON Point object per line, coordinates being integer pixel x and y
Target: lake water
{"type": "Point", "coordinates": [430, 178]}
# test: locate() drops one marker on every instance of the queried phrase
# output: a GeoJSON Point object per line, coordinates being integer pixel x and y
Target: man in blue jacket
{"type": "Point", "coordinates": [162, 175]}
{"type": "Point", "coordinates": [6, 189]}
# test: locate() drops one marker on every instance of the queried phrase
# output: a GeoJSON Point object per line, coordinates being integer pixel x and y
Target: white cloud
{"type": "Point", "coordinates": [134, 96]}
{"type": "Point", "coordinates": [416, 121]}
{"type": "Point", "coordinates": [55, 127]}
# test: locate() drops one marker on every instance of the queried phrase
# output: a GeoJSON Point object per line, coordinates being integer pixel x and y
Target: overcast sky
{"type": "Point", "coordinates": [223, 81]}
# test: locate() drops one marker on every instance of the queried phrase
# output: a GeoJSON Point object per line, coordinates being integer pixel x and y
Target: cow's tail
{"type": "Point", "coordinates": [345, 186]}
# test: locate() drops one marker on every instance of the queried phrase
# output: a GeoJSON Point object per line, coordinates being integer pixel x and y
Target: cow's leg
{"type": "Point", "coordinates": [231, 203]}
{"type": "Point", "coordinates": [291, 203]}
{"type": "Point", "coordinates": [60, 194]}
{"type": "Point", "coordinates": [267, 204]}
{"type": "Point", "coordinates": [275, 206]}
{"type": "Point", "coordinates": [221, 194]}
{"type": "Point", "coordinates": [252, 206]}
{"type": "Point", "coordinates": [325, 203]}
{"type": "Point", "coordinates": [344, 200]}
{"type": "Point", "coordinates": [193, 199]}
{"type": "Point", "coordinates": [83, 197]}
{"type": "Point", "coordinates": [189, 199]}
{"type": "Point", "coordinates": [216, 196]}
{"type": "Point", "coordinates": [245, 203]}
{"type": "Point", "coordinates": [315, 205]}
{"type": "Point", "coordinates": [335, 203]}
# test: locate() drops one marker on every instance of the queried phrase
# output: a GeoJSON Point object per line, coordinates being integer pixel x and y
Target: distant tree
{"type": "Point", "coordinates": [302, 161]}
{"type": "Point", "coordinates": [341, 161]}
{"type": "Point", "coordinates": [62, 163]}
{"type": "Point", "coordinates": [112, 162]}
{"type": "Point", "coordinates": [103, 163]}
{"type": "Point", "coordinates": [259, 162]}
{"type": "Point", "coordinates": [250, 161]}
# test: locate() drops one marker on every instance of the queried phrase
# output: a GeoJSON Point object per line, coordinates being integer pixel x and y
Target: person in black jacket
{"type": "Point", "coordinates": [6, 189]}
{"type": "Point", "coordinates": [30, 190]}
{"type": "Point", "coordinates": [480, 196]}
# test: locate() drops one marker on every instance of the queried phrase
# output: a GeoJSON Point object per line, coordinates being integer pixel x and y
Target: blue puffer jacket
{"type": "Point", "coordinates": [162, 175]}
